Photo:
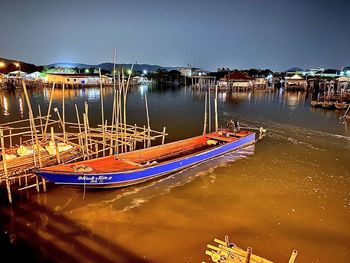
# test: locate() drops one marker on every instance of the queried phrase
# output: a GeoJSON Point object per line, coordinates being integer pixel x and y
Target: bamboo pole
{"type": "Point", "coordinates": [216, 109]}
{"type": "Point", "coordinates": [41, 121]}
{"type": "Point", "coordinates": [148, 125]}
{"type": "Point", "coordinates": [63, 114]}
{"type": "Point", "coordinates": [205, 114]}
{"type": "Point", "coordinates": [49, 109]}
{"type": "Point", "coordinates": [209, 110]}
{"type": "Point", "coordinates": [104, 138]}
{"type": "Point", "coordinates": [10, 133]}
{"type": "Point", "coordinates": [102, 110]}
{"type": "Point", "coordinates": [163, 137]}
{"type": "Point", "coordinates": [117, 120]}
{"type": "Point", "coordinates": [80, 139]}
{"type": "Point", "coordinates": [58, 153]}
{"type": "Point", "coordinates": [96, 149]}
{"type": "Point", "coordinates": [88, 127]}
{"type": "Point", "coordinates": [52, 135]}
{"type": "Point", "coordinates": [86, 137]}
{"type": "Point", "coordinates": [135, 133]}
{"type": "Point", "coordinates": [114, 102]}
{"type": "Point", "coordinates": [5, 166]}
{"type": "Point", "coordinates": [31, 118]}
{"type": "Point", "coordinates": [63, 127]}
{"type": "Point", "coordinates": [293, 256]}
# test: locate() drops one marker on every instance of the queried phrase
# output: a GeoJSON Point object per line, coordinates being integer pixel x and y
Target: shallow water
{"type": "Point", "coordinates": [290, 191]}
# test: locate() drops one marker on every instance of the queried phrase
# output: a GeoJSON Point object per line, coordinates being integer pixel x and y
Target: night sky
{"type": "Point", "coordinates": [273, 34]}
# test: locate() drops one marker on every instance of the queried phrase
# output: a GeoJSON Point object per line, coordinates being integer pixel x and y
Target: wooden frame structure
{"type": "Point", "coordinates": [49, 141]}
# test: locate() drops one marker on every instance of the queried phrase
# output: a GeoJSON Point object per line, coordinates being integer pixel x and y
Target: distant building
{"type": "Point", "coordinates": [16, 74]}
{"type": "Point", "coordinates": [295, 82]}
{"type": "Point", "coordinates": [89, 79]}
{"type": "Point", "coordinates": [239, 80]}
{"type": "Point", "coordinates": [343, 83]}
{"type": "Point", "coordinates": [260, 83]}
{"type": "Point", "coordinates": [187, 71]}
{"type": "Point", "coordinates": [34, 76]}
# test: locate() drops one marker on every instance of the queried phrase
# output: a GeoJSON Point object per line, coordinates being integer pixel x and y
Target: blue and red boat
{"type": "Point", "coordinates": [147, 164]}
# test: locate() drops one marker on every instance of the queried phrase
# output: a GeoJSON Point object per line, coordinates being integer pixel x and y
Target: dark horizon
{"type": "Point", "coordinates": [241, 34]}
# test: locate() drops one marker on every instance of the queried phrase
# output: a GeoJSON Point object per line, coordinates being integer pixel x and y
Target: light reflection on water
{"type": "Point", "coordinates": [290, 191]}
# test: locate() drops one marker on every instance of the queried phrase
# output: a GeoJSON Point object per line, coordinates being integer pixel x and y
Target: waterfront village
{"type": "Point", "coordinates": [331, 87]}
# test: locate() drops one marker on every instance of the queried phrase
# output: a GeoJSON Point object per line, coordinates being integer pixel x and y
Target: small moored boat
{"type": "Point", "coordinates": [147, 164]}
{"type": "Point", "coordinates": [341, 105]}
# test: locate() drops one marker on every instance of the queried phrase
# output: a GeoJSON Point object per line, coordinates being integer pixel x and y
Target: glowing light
{"type": "Point", "coordinates": [144, 71]}
{"type": "Point", "coordinates": [2, 64]}
{"type": "Point", "coordinates": [129, 71]}
{"type": "Point", "coordinates": [86, 70]}
{"type": "Point", "coordinates": [17, 64]}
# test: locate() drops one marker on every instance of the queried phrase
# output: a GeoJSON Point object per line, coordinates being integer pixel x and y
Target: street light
{"type": "Point", "coordinates": [18, 65]}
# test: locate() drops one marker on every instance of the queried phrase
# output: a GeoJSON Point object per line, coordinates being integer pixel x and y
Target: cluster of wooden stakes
{"type": "Point", "coordinates": [227, 252]}
{"type": "Point", "coordinates": [42, 140]}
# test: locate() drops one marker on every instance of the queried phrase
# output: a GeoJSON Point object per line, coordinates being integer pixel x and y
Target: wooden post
{"type": "Point", "coordinates": [144, 136]}
{"type": "Point", "coordinates": [102, 112]}
{"type": "Point", "coordinates": [5, 166]}
{"type": "Point", "coordinates": [49, 109]}
{"type": "Point", "coordinates": [52, 135]}
{"type": "Point", "coordinates": [114, 103]}
{"type": "Point", "coordinates": [86, 136]}
{"type": "Point", "coordinates": [58, 154]}
{"type": "Point", "coordinates": [96, 149]}
{"type": "Point", "coordinates": [209, 111]}
{"type": "Point", "coordinates": [216, 109]}
{"type": "Point", "coordinates": [249, 254]}
{"type": "Point", "coordinates": [31, 118]}
{"type": "Point", "coordinates": [64, 115]}
{"type": "Point", "coordinates": [10, 131]}
{"type": "Point", "coordinates": [63, 127]}
{"type": "Point", "coordinates": [205, 114]}
{"type": "Point", "coordinates": [135, 141]}
{"type": "Point", "coordinates": [148, 126]}
{"type": "Point", "coordinates": [163, 137]}
{"type": "Point", "coordinates": [293, 256]}
{"type": "Point", "coordinates": [41, 122]}
{"type": "Point", "coordinates": [104, 138]}
{"type": "Point", "coordinates": [80, 134]}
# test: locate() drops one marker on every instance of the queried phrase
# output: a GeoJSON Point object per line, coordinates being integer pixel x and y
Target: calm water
{"type": "Point", "coordinates": [290, 191]}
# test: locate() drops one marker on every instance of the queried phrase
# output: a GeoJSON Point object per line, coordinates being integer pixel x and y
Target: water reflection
{"type": "Point", "coordinates": [143, 89]}
{"type": "Point", "coordinates": [5, 106]}
{"type": "Point", "coordinates": [20, 106]}
{"type": "Point", "coordinates": [222, 96]}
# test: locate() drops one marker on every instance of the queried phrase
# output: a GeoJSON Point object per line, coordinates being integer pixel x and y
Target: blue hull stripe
{"type": "Point", "coordinates": [135, 176]}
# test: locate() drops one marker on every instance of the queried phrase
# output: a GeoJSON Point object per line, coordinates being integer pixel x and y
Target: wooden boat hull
{"type": "Point", "coordinates": [341, 106]}
{"type": "Point", "coordinates": [135, 176]}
